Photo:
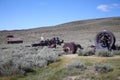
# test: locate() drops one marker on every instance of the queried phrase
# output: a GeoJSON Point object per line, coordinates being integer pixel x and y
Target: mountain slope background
{"type": "Point", "coordinates": [81, 32]}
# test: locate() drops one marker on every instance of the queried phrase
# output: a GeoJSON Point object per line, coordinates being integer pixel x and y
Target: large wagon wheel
{"type": "Point", "coordinates": [70, 47]}
{"type": "Point", "coordinates": [105, 39]}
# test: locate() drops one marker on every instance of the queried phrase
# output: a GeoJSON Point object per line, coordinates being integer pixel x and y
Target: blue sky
{"type": "Point", "coordinates": [25, 14]}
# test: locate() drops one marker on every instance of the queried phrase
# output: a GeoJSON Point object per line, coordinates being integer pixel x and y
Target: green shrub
{"type": "Point", "coordinates": [103, 53]}
{"type": "Point", "coordinates": [102, 68]}
{"type": "Point", "coordinates": [86, 52]}
{"type": "Point", "coordinates": [75, 64]}
{"type": "Point", "coordinates": [49, 55]}
{"type": "Point", "coordinates": [116, 52]}
{"type": "Point", "coordinates": [8, 68]}
{"type": "Point", "coordinates": [15, 59]}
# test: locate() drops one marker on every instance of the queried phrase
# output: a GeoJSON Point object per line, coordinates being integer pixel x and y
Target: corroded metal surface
{"type": "Point", "coordinates": [105, 40]}
{"type": "Point", "coordinates": [71, 47]}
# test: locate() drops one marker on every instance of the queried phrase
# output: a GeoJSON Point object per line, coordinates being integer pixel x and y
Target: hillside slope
{"type": "Point", "coordinates": [76, 31]}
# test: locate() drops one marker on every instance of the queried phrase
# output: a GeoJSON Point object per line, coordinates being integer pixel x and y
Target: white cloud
{"type": "Point", "coordinates": [103, 7]}
{"type": "Point", "coordinates": [106, 8]}
{"type": "Point", "coordinates": [114, 5]}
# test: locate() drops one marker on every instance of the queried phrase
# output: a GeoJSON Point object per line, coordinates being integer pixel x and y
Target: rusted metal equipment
{"type": "Point", "coordinates": [12, 40]}
{"type": "Point", "coordinates": [71, 47]}
{"type": "Point", "coordinates": [51, 43]}
{"type": "Point", "coordinates": [105, 40]}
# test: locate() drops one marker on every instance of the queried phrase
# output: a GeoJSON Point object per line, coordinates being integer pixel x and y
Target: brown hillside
{"type": "Point", "coordinates": [77, 31]}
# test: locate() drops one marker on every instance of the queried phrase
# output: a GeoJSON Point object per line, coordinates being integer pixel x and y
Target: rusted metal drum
{"type": "Point", "coordinates": [70, 47]}
{"type": "Point", "coordinates": [105, 40]}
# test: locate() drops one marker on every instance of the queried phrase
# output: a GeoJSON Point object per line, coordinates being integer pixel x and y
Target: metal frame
{"type": "Point", "coordinates": [105, 40]}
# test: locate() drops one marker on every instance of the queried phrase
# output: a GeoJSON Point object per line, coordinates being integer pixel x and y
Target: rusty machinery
{"type": "Point", "coordinates": [105, 40]}
{"type": "Point", "coordinates": [71, 47]}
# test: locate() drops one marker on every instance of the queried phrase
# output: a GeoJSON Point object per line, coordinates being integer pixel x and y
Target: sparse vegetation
{"type": "Point", "coordinates": [15, 61]}
{"type": "Point", "coordinates": [8, 68]}
{"type": "Point", "coordinates": [75, 64]}
{"type": "Point", "coordinates": [86, 52]}
{"type": "Point", "coordinates": [104, 53]}
{"type": "Point", "coordinates": [103, 68]}
{"type": "Point", "coordinates": [116, 52]}
{"type": "Point", "coordinates": [57, 71]}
